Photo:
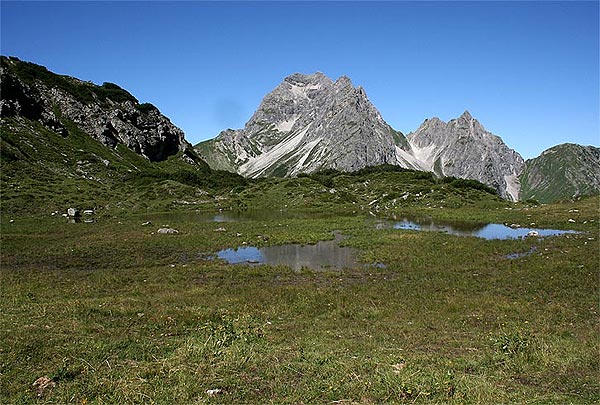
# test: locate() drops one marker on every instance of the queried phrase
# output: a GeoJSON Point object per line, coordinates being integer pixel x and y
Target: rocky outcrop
{"type": "Point", "coordinates": [308, 123]}
{"type": "Point", "coordinates": [463, 148]}
{"type": "Point", "coordinates": [107, 113]}
{"type": "Point", "coordinates": [561, 172]}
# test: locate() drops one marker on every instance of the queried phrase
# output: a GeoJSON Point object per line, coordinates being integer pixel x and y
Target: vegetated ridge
{"type": "Point", "coordinates": [563, 171]}
{"type": "Point", "coordinates": [67, 141]}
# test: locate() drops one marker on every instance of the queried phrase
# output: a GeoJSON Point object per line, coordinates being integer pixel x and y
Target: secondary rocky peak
{"type": "Point", "coordinates": [344, 82]}
{"type": "Point", "coordinates": [466, 116]}
{"type": "Point", "coordinates": [463, 148]}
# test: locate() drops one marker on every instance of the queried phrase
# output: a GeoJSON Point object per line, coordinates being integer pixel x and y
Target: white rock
{"type": "Point", "coordinates": [168, 231]}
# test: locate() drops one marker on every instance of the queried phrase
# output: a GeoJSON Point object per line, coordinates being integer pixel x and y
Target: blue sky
{"type": "Point", "coordinates": [529, 71]}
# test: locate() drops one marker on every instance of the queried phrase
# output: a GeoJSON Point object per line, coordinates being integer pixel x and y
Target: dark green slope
{"type": "Point", "coordinates": [561, 172]}
{"type": "Point", "coordinates": [49, 162]}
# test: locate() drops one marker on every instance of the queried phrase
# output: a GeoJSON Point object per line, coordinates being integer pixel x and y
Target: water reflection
{"type": "Point", "coordinates": [463, 228]}
{"type": "Point", "coordinates": [325, 254]}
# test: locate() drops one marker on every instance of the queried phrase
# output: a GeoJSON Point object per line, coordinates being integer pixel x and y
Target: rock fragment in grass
{"type": "Point", "coordinates": [168, 231]}
{"type": "Point", "coordinates": [42, 385]}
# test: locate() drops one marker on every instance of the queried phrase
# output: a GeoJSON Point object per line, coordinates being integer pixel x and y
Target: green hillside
{"type": "Point", "coordinates": [562, 172]}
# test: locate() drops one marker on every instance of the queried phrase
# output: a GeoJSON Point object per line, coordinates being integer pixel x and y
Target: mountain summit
{"type": "Point", "coordinates": [310, 123]}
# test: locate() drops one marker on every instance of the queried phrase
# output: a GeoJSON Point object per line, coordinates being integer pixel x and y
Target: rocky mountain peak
{"type": "Point", "coordinates": [464, 148]}
{"type": "Point", "coordinates": [308, 123]}
{"type": "Point", "coordinates": [344, 82]}
{"type": "Point", "coordinates": [466, 116]}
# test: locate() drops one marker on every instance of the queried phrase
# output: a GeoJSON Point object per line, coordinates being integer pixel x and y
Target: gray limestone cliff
{"type": "Point", "coordinates": [107, 113]}
{"type": "Point", "coordinates": [308, 123]}
{"type": "Point", "coordinates": [463, 148]}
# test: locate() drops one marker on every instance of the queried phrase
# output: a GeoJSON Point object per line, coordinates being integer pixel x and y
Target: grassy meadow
{"type": "Point", "coordinates": [113, 312]}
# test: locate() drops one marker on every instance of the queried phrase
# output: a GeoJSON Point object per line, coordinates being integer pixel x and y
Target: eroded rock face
{"type": "Point", "coordinates": [307, 123]}
{"type": "Point", "coordinates": [106, 113]}
{"type": "Point", "coordinates": [463, 148]}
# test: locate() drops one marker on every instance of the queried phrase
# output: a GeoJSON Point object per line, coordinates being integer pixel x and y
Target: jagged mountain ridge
{"type": "Point", "coordinates": [309, 123]}
{"type": "Point", "coordinates": [563, 171]}
{"type": "Point", "coordinates": [463, 148]}
{"type": "Point", "coordinates": [107, 113]}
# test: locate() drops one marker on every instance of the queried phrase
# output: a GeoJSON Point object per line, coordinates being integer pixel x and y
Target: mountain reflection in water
{"type": "Point", "coordinates": [325, 254]}
{"type": "Point", "coordinates": [464, 228]}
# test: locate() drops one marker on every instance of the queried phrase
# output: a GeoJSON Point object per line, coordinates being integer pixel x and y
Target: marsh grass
{"type": "Point", "coordinates": [115, 314]}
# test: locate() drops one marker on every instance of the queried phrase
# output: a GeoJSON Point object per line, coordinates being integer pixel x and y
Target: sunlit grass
{"type": "Point", "coordinates": [113, 313]}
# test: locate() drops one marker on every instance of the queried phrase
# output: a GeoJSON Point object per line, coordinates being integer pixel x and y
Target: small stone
{"type": "Point", "coordinates": [398, 367]}
{"type": "Point", "coordinates": [214, 391]}
{"type": "Point", "coordinates": [146, 223]}
{"type": "Point", "coordinates": [571, 220]}
{"type": "Point", "coordinates": [168, 231]}
{"type": "Point", "coordinates": [221, 229]}
{"type": "Point", "coordinates": [42, 385]}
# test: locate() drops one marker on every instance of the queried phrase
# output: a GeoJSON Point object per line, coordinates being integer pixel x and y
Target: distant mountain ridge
{"type": "Point", "coordinates": [563, 171]}
{"type": "Point", "coordinates": [57, 125]}
{"type": "Point", "coordinates": [310, 123]}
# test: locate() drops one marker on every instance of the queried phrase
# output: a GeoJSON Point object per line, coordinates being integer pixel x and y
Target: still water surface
{"type": "Point", "coordinates": [323, 255]}
{"type": "Point", "coordinates": [462, 228]}
{"type": "Point", "coordinates": [329, 255]}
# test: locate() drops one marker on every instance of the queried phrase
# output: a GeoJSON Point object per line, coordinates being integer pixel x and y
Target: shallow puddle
{"type": "Point", "coordinates": [323, 255]}
{"type": "Point", "coordinates": [461, 228]}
